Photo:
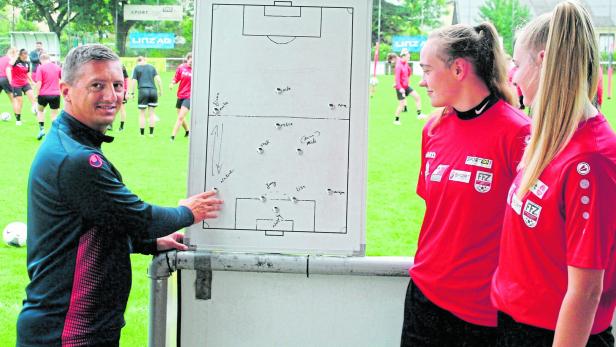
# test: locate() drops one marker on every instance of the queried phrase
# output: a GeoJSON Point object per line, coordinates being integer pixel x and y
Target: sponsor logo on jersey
{"type": "Point", "coordinates": [483, 181]}
{"type": "Point", "coordinates": [531, 213]}
{"type": "Point", "coordinates": [460, 176]}
{"type": "Point", "coordinates": [539, 189]}
{"type": "Point", "coordinates": [95, 160]}
{"type": "Point", "coordinates": [427, 172]}
{"type": "Point", "coordinates": [481, 162]}
{"type": "Point", "coordinates": [437, 174]}
{"type": "Point", "coordinates": [431, 155]}
{"type": "Point", "coordinates": [516, 203]}
{"type": "Point", "coordinates": [583, 168]}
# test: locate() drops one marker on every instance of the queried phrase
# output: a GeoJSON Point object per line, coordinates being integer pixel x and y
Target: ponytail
{"type": "Point", "coordinates": [569, 79]}
{"type": "Point", "coordinates": [481, 47]}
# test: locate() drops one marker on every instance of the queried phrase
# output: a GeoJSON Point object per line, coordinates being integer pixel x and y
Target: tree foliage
{"type": "Point", "coordinates": [412, 17]}
{"type": "Point", "coordinates": [507, 16]}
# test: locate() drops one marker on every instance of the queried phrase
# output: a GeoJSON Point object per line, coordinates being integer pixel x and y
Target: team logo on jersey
{"type": "Point", "coordinates": [527, 139]}
{"type": "Point", "coordinates": [437, 174]}
{"type": "Point", "coordinates": [431, 155]}
{"type": "Point", "coordinates": [95, 160]}
{"type": "Point", "coordinates": [539, 189]}
{"type": "Point", "coordinates": [531, 213]}
{"type": "Point", "coordinates": [481, 162]}
{"type": "Point", "coordinates": [483, 181]}
{"type": "Point", "coordinates": [516, 203]}
{"type": "Point", "coordinates": [460, 176]}
{"type": "Point", "coordinates": [583, 168]}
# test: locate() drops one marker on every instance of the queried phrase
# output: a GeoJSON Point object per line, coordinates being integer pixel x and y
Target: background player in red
{"type": "Point", "coordinates": [18, 74]}
{"type": "Point", "coordinates": [5, 60]}
{"type": "Point", "coordinates": [402, 75]}
{"type": "Point", "coordinates": [469, 155]}
{"type": "Point", "coordinates": [555, 284]}
{"type": "Point", "coordinates": [183, 76]}
{"type": "Point", "coordinates": [47, 79]}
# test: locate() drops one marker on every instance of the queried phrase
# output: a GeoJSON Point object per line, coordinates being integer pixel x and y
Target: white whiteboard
{"type": "Point", "coordinates": [279, 118]}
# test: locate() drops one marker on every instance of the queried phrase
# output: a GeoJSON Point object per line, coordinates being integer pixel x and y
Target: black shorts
{"type": "Point", "coordinates": [514, 334]}
{"type": "Point", "coordinates": [148, 97]}
{"type": "Point", "coordinates": [124, 100]}
{"type": "Point", "coordinates": [427, 325]}
{"type": "Point", "coordinates": [183, 103]}
{"type": "Point", "coordinates": [407, 91]}
{"type": "Point", "coordinates": [52, 100]}
{"type": "Point", "coordinates": [19, 91]}
{"type": "Point", "coordinates": [5, 85]}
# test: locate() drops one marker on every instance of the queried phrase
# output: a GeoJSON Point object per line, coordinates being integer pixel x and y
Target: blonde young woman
{"type": "Point", "coordinates": [555, 284]}
{"type": "Point", "coordinates": [469, 155]}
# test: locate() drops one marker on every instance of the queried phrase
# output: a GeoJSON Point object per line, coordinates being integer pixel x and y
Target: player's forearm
{"type": "Point", "coordinates": [575, 319]}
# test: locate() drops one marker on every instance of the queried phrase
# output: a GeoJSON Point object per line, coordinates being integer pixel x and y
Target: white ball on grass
{"type": "Point", "coordinates": [15, 234]}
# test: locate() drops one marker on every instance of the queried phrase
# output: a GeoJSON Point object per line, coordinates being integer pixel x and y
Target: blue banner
{"type": "Point", "coordinates": [411, 43]}
{"type": "Point", "coordinates": [152, 40]}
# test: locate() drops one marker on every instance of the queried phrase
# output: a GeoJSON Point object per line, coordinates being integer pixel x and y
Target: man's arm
{"type": "Point", "coordinates": [159, 85]}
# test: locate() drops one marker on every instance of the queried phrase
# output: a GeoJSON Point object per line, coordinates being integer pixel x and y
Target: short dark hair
{"type": "Point", "coordinates": [79, 56]}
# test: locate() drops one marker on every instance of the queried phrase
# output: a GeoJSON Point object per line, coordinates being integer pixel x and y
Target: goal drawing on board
{"type": "Point", "coordinates": [278, 125]}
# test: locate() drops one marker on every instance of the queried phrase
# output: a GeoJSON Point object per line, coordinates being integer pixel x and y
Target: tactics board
{"type": "Point", "coordinates": [279, 116]}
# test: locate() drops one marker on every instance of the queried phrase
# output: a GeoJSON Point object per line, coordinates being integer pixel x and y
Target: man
{"type": "Point", "coordinates": [147, 78]}
{"type": "Point", "coordinates": [83, 222]}
{"type": "Point", "coordinates": [35, 56]}
{"type": "Point", "coordinates": [47, 79]}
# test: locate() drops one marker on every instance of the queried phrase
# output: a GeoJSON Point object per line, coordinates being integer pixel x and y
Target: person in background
{"type": "Point", "coordinates": [47, 79]}
{"type": "Point", "coordinates": [5, 61]}
{"type": "Point", "coordinates": [555, 284]}
{"type": "Point", "coordinates": [124, 101]}
{"type": "Point", "coordinates": [148, 81]}
{"type": "Point", "coordinates": [18, 74]}
{"type": "Point", "coordinates": [402, 74]}
{"type": "Point", "coordinates": [83, 222]}
{"type": "Point", "coordinates": [183, 76]}
{"type": "Point", "coordinates": [469, 155]}
{"type": "Point", "coordinates": [35, 55]}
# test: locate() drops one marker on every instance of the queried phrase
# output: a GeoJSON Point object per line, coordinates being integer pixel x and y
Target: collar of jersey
{"type": "Point", "coordinates": [82, 131]}
{"type": "Point", "coordinates": [478, 110]}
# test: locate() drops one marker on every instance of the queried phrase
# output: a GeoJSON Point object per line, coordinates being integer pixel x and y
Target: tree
{"type": "Point", "coordinates": [410, 18]}
{"type": "Point", "coordinates": [507, 16]}
{"type": "Point", "coordinates": [57, 14]}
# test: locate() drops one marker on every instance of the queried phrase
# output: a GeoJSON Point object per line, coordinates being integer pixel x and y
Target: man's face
{"type": "Point", "coordinates": [39, 46]}
{"type": "Point", "coordinates": [437, 78]}
{"type": "Point", "coordinates": [96, 93]}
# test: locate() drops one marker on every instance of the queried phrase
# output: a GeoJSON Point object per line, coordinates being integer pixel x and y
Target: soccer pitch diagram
{"type": "Point", "coordinates": [277, 124]}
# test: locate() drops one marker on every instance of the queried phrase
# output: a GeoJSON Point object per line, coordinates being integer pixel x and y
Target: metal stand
{"type": "Point", "coordinates": [205, 262]}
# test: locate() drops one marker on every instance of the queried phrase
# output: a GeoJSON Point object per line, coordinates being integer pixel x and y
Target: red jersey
{"type": "Point", "coordinates": [4, 62]}
{"type": "Point", "coordinates": [19, 73]}
{"type": "Point", "coordinates": [49, 75]}
{"type": "Point", "coordinates": [567, 219]}
{"type": "Point", "coordinates": [402, 72]}
{"type": "Point", "coordinates": [183, 75]}
{"type": "Point", "coordinates": [467, 167]}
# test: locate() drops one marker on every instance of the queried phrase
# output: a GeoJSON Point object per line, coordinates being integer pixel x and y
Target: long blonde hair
{"type": "Point", "coordinates": [567, 84]}
{"type": "Point", "coordinates": [481, 47]}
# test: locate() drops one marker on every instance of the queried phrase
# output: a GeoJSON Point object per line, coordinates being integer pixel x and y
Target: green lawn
{"type": "Point", "coordinates": [156, 169]}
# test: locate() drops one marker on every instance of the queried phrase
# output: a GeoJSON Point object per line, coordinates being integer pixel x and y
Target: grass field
{"type": "Point", "coordinates": [156, 170]}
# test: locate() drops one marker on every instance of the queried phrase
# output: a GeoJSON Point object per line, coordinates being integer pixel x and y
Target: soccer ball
{"type": "Point", "coordinates": [14, 234]}
{"type": "Point", "coordinates": [5, 116]}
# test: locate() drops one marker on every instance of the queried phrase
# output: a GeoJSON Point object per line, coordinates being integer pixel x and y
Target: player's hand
{"type": "Point", "coordinates": [170, 86]}
{"type": "Point", "coordinates": [172, 241]}
{"type": "Point", "coordinates": [402, 91]}
{"type": "Point", "coordinates": [203, 205]}
{"type": "Point", "coordinates": [160, 92]}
